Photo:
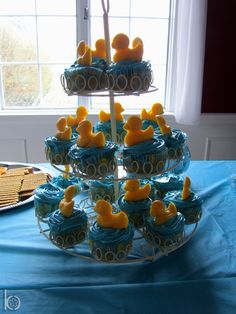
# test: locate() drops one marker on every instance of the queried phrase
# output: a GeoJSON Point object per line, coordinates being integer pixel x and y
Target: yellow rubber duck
{"type": "Point", "coordinates": [161, 213]}
{"type": "Point", "coordinates": [186, 188]}
{"type": "Point", "coordinates": [107, 219]}
{"type": "Point", "coordinates": [86, 136]}
{"type": "Point", "coordinates": [100, 49]}
{"type": "Point", "coordinates": [104, 116]}
{"type": "Point", "coordinates": [164, 128]}
{"type": "Point", "coordinates": [135, 134]}
{"type": "Point", "coordinates": [81, 114]}
{"type": "Point", "coordinates": [66, 205]}
{"type": "Point", "coordinates": [123, 53]}
{"type": "Point", "coordinates": [63, 133]}
{"type": "Point", "coordinates": [84, 54]}
{"type": "Point", "coordinates": [134, 192]}
{"type": "Point", "coordinates": [156, 110]}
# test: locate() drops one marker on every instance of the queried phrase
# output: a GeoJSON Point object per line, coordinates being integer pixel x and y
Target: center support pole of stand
{"type": "Point", "coordinates": [111, 95]}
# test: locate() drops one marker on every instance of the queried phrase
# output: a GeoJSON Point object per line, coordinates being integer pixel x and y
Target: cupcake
{"type": "Point", "coordinates": [149, 117]}
{"type": "Point", "coordinates": [63, 181]}
{"type": "Point", "coordinates": [57, 147]}
{"type": "Point", "coordinates": [142, 154]}
{"type": "Point", "coordinates": [68, 224]}
{"type": "Point", "coordinates": [184, 163]}
{"type": "Point", "coordinates": [46, 199]}
{"type": "Point", "coordinates": [91, 155]}
{"type": "Point", "coordinates": [168, 182]}
{"type": "Point", "coordinates": [128, 72]}
{"type": "Point", "coordinates": [104, 124]}
{"type": "Point", "coordinates": [88, 73]}
{"type": "Point", "coordinates": [174, 139]}
{"type": "Point", "coordinates": [99, 190]}
{"type": "Point", "coordinates": [136, 202]}
{"type": "Point", "coordinates": [165, 226]}
{"type": "Point", "coordinates": [111, 235]}
{"type": "Point", "coordinates": [186, 201]}
{"type": "Point", "coordinates": [73, 122]}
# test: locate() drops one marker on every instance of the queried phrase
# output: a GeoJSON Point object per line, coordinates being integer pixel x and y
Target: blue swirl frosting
{"type": "Point", "coordinates": [48, 193]}
{"type": "Point", "coordinates": [134, 207]}
{"type": "Point", "coordinates": [91, 154]}
{"type": "Point", "coordinates": [176, 197]}
{"type": "Point", "coordinates": [168, 183]}
{"type": "Point", "coordinates": [63, 182]}
{"type": "Point", "coordinates": [106, 126]}
{"type": "Point", "coordinates": [146, 123]}
{"type": "Point", "coordinates": [174, 225]}
{"type": "Point", "coordinates": [148, 147]}
{"type": "Point", "coordinates": [130, 68]}
{"type": "Point", "coordinates": [110, 236]}
{"type": "Point", "coordinates": [57, 145]}
{"type": "Point", "coordinates": [60, 224]}
{"type": "Point", "coordinates": [175, 139]}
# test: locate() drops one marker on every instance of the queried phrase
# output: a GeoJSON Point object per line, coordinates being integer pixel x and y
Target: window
{"type": "Point", "coordinates": [38, 40]}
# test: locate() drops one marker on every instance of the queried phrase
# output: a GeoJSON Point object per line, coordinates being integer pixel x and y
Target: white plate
{"type": "Point", "coordinates": [36, 169]}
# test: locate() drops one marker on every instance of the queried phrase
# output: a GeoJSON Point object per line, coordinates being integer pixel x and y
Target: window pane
{"type": "Point", "coordinates": [17, 39]}
{"type": "Point", "coordinates": [57, 39]}
{"type": "Point", "coordinates": [150, 8]}
{"type": "Point", "coordinates": [116, 25]}
{"type": "Point", "coordinates": [26, 7]}
{"type": "Point", "coordinates": [53, 95]}
{"type": "Point", "coordinates": [20, 85]}
{"type": "Point", "coordinates": [155, 46]}
{"type": "Point", "coordinates": [117, 8]}
{"type": "Point", "coordinates": [56, 7]}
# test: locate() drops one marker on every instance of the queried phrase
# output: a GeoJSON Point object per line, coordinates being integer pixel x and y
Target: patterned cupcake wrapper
{"type": "Point", "coordinates": [163, 242]}
{"type": "Point", "coordinates": [42, 209]}
{"type": "Point", "coordinates": [110, 253]}
{"type": "Point", "coordinates": [70, 239]}
{"type": "Point", "coordinates": [192, 215]}
{"type": "Point", "coordinates": [138, 220]}
{"type": "Point", "coordinates": [57, 157]}
{"type": "Point", "coordinates": [146, 164]}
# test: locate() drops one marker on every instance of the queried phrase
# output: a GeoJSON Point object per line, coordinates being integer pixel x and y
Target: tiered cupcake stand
{"type": "Point", "coordinates": [141, 249]}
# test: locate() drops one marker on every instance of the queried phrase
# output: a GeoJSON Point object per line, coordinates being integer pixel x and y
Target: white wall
{"type": "Point", "coordinates": [22, 136]}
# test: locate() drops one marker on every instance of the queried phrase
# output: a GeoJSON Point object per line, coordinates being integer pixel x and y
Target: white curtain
{"type": "Point", "coordinates": [188, 60]}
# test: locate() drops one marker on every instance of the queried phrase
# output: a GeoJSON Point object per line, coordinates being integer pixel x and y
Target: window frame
{"type": "Point", "coordinates": [83, 32]}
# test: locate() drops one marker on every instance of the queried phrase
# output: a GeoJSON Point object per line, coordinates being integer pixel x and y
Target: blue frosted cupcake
{"type": "Point", "coordinates": [46, 199]}
{"type": "Point", "coordinates": [187, 202]}
{"type": "Point", "coordinates": [58, 146]}
{"type": "Point", "coordinates": [142, 154]}
{"type": "Point", "coordinates": [110, 237]}
{"type": "Point", "coordinates": [175, 139]}
{"type": "Point", "coordinates": [68, 224]}
{"type": "Point", "coordinates": [63, 182]}
{"type": "Point", "coordinates": [105, 127]}
{"type": "Point", "coordinates": [91, 155]}
{"type": "Point", "coordinates": [99, 190]}
{"type": "Point", "coordinates": [149, 117]}
{"type": "Point", "coordinates": [148, 157]}
{"type": "Point", "coordinates": [128, 72]}
{"type": "Point", "coordinates": [104, 123]}
{"type": "Point", "coordinates": [79, 78]}
{"type": "Point", "coordinates": [165, 226]}
{"type": "Point", "coordinates": [93, 161]}
{"type": "Point", "coordinates": [168, 182]}
{"type": "Point", "coordinates": [136, 202]}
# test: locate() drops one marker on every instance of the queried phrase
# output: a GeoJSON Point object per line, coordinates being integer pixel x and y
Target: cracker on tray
{"type": "Point", "coordinates": [18, 183]}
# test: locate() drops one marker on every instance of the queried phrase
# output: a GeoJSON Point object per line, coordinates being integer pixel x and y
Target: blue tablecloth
{"type": "Point", "coordinates": [200, 277]}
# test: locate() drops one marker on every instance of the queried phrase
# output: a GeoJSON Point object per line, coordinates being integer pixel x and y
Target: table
{"type": "Point", "coordinates": [199, 277]}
